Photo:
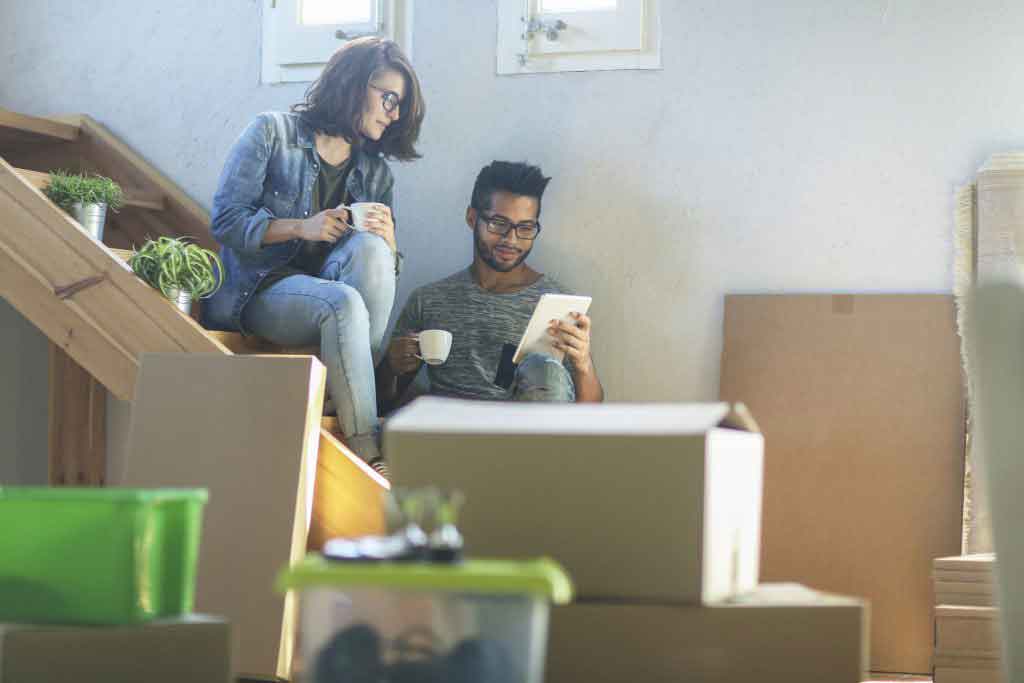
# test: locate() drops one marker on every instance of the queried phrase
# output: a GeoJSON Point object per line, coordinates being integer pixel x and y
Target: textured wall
{"type": "Point", "coordinates": [811, 146]}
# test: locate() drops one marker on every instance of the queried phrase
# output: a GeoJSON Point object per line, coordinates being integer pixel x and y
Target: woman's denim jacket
{"type": "Point", "coordinates": [270, 173]}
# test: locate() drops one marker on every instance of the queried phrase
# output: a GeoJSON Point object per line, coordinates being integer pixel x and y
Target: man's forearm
{"type": "Point", "coordinates": [391, 385]}
{"type": "Point", "coordinates": [588, 386]}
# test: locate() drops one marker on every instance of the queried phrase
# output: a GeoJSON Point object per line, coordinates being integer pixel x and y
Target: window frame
{"type": "Point", "coordinates": [395, 19]}
{"type": "Point", "coordinates": [512, 44]}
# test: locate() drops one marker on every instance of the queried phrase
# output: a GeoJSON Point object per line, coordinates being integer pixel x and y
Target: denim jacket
{"type": "Point", "coordinates": [270, 173]}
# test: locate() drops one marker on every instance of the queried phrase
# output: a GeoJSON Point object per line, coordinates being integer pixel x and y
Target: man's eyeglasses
{"type": "Point", "coordinates": [388, 98]}
{"type": "Point", "coordinates": [499, 225]}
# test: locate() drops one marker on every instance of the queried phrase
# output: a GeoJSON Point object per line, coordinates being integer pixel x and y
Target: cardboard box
{"type": "Point", "coordinates": [196, 649]}
{"type": "Point", "coordinates": [976, 570]}
{"type": "Point", "coordinates": [972, 598]}
{"type": "Point", "coordinates": [637, 501]}
{"type": "Point", "coordinates": [778, 634]}
{"type": "Point", "coordinates": [979, 661]}
{"type": "Point", "coordinates": [959, 628]}
{"type": "Point", "coordinates": [246, 428]}
{"type": "Point", "coordinates": [861, 402]}
{"type": "Point", "coordinates": [980, 565]}
{"type": "Point", "coordinates": [952, 674]}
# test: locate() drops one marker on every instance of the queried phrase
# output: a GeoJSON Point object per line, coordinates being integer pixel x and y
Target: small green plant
{"type": "Point", "coordinates": [169, 263]}
{"type": "Point", "coordinates": [66, 189]}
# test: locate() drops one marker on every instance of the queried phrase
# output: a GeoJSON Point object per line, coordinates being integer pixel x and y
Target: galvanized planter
{"type": "Point", "coordinates": [92, 217]}
{"type": "Point", "coordinates": [181, 299]}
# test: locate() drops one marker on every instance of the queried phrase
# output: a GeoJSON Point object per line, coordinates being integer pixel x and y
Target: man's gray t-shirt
{"type": "Point", "coordinates": [481, 323]}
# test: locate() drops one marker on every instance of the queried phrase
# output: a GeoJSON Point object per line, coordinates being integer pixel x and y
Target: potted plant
{"type": "Point", "coordinates": [181, 270]}
{"type": "Point", "coordinates": [86, 198]}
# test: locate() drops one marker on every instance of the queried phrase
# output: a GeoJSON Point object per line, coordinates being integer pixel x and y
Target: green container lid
{"type": "Point", "coordinates": [543, 578]}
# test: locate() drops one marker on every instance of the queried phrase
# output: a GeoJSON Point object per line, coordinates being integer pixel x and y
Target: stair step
{"type": "Point", "coordinates": [249, 345]}
{"type": "Point", "coordinates": [20, 128]}
{"type": "Point", "coordinates": [132, 198]}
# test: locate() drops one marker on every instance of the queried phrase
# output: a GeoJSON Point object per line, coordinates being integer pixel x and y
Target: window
{"type": "Point", "coordinates": [299, 36]}
{"type": "Point", "coordinates": [578, 35]}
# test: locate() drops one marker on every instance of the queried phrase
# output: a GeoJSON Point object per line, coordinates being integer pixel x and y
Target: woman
{"type": "Point", "coordinates": [296, 272]}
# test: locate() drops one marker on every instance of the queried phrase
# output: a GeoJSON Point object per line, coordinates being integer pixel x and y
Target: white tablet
{"type": "Point", "coordinates": [550, 307]}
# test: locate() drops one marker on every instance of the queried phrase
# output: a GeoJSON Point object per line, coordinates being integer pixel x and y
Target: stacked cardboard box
{"type": "Point", "coordinates": [967, 642]}
{"type": "Point", "coordinates": [194, 648]}
{"type": "Point", "coordinates": [655, 512]}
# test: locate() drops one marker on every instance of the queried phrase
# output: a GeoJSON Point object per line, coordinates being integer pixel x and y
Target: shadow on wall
{"type": "Point", "coordinates": [614, 246]}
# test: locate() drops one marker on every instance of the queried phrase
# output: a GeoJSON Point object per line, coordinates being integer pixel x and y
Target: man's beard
{"type": "Point", "coordinates": [488, 256]}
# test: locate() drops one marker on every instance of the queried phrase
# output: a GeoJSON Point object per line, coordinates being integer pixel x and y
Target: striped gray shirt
{"type": "Point", "coordinates": [481, 323]}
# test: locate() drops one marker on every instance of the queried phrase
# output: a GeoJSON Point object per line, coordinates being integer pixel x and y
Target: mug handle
{"type": "Point", "coordinates": [349, 209]}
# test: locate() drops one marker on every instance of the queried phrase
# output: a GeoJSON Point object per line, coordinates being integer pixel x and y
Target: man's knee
{"type": "Point", "coordinates": [540, 377]}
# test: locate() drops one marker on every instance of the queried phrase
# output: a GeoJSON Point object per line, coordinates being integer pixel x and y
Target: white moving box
{"type": "Point", "coordinates": [637, 501]}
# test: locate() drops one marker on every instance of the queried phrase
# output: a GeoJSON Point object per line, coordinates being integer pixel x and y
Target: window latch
{"type": "Point", "coordinates": [550, 29]}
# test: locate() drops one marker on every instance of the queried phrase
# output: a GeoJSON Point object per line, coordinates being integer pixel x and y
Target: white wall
{"type": "Point", "coordinates": [797, 146]}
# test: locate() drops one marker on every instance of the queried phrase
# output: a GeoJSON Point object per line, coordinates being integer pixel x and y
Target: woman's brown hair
{"type": "Point", "coordinates": [334, 102]}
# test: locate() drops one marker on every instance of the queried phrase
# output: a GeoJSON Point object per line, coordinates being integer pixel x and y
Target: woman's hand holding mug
{"type": "Point", "coordinates": [376, 218]}
{"type": "Point", "coordinates": [327, 226]}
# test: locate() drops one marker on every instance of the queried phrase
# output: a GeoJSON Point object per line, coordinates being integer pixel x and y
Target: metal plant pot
{"type": "Point", "coordinates": [181, 299]}
{"type": "Point", "coordinates": [92, 217]}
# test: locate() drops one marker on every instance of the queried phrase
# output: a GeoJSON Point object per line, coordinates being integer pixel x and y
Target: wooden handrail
{"type": "Point", "coordinates": [24, 128]}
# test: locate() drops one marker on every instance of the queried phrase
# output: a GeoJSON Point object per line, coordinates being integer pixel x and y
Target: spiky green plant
{"type": "Point", "coordinates": [66, 189]}
{"type": "Point", "coordinates": [168, 263]}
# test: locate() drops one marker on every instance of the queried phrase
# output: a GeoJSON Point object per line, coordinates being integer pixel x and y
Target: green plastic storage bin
{"type": "Point", "coordinates": [98, 555]}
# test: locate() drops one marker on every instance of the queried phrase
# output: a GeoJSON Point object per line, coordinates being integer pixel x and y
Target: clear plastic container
{"type": "Point", "coordinates": [481, 621]}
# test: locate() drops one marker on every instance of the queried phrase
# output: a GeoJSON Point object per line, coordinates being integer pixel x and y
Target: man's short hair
{"type": "Point", "coordinates": [514, 177]}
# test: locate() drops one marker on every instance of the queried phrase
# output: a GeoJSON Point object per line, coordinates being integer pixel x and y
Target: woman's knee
{"type": "Point", "coordinates": [374, 252]}
{"type": "Point", "coordinates": [342, 302]}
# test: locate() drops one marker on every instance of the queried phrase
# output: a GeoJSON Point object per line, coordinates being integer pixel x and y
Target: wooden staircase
{"type": "Point", "coordinates": [100, 318]}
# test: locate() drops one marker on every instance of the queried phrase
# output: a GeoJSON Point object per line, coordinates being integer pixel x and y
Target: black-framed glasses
{"type": "Point", "coordinates": [499, 225]}
{"type": "Point", "coordinates": [388, 98]}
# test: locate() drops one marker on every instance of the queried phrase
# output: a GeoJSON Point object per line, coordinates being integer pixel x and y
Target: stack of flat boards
{"type": "Point", "coordinates": [967, 643]}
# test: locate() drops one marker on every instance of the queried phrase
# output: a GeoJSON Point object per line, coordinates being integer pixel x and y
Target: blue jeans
{"type": "Point", "coordinates": [346, 311]}
{"type": "Point", "coordinates": [540, 377]}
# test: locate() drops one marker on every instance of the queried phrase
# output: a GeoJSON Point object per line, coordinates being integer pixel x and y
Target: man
{"type": "Point", "coordinates": [487, 306]}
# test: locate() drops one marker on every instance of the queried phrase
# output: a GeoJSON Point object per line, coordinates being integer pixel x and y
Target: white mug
{"type": "Point", "coordinates": [434, 346]}
{"type": "Point", "coordinates": [359, 212]}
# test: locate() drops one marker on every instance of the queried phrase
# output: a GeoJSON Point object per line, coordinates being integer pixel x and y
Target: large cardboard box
{"type": "Point", "coordinates": [196, 649]}
{"type": "Point", "coordinates": [777, 634]}
{"type": "Point", "coordinates": [861, 402]}
{"type": "Point", "coordinates": [644, 502]}
{"type": "Point", "coordinates": [246, 428]}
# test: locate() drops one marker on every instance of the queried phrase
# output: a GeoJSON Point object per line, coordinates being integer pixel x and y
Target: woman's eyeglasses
{"type": "Point", "coordinates": [388, 98]}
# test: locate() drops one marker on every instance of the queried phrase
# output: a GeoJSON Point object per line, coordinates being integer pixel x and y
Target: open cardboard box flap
{"type": "Point", "coordinates": [454, 416]}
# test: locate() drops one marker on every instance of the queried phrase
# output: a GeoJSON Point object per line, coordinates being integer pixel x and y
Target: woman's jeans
{"type": "Point", "coordinates": [346, 311]}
